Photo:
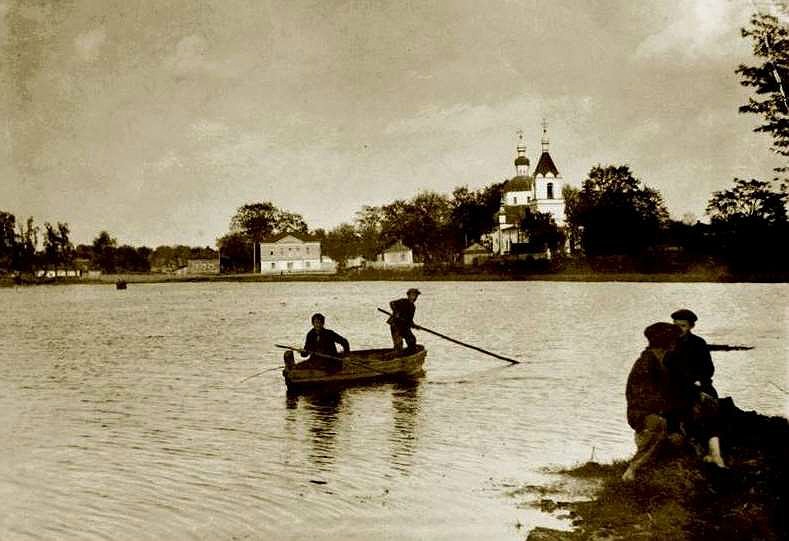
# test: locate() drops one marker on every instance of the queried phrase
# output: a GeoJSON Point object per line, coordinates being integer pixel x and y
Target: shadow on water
{"type": "Point", "coordinates": [324, 409]}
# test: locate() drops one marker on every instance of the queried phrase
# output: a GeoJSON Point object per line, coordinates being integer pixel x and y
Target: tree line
{"type": "Point", "coordinates": [27, 247]}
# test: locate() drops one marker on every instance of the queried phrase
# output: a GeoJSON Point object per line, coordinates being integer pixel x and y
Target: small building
{"type": "Point", "coordinates": [202, 266]}
{"type": "Point", "coordinates": [293, 253]}
{"type": "Point", "coordinates": [475, 254]}
{"type": "Point", "coordinates": [397, 255]}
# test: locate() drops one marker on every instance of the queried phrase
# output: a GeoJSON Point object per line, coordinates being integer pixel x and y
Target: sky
{"type": "Point", "coordinates": [155, 121]}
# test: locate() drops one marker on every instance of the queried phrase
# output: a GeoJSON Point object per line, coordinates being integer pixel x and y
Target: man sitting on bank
{"type": "Point", "coordinates": [691, 368]}
{"type": "Point", "coordinates": [651, 400]}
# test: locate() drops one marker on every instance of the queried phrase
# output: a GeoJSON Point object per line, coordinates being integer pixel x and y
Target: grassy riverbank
{"type": "Point", "coordinates": [681, 498]}
{"type": "Point", "coordinates": [715, 275]}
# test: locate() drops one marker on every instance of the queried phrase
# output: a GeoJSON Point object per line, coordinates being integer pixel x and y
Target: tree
{"type": "Point", "coordinates": [341, 243]}
{"type": "Point", "coordinates": [235, 251]}
{"type": "Point", "coordinates": [616, 213]}
{"type": "Point", "coordinates": [26, 245]}
{"type": "Point", "coordinates": [750, 225]}
{"type": "Point", "coordinates": [770, 79]}
{"type": "Point", "coordinates": [7, 240]}
{"type": "Point", "coordinates": [260, 220]}
{"type": "Point", "coordinates": [104, 247]}
{"type": "Point", "coordinates": [474, 213]}
{"type": "Point", "coordinates": [58, 250]}
{"type": "Point", "coordinates": [369, 223]}
{"type": "Point", "coordinates": [422, 224]}
{"type": "Point", "coordinates": [257, 221]}
{"type": "Point", "coordinates": [543, 232]}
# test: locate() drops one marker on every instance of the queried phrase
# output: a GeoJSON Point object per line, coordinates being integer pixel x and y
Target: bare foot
{"type": "Point", "coordinates": [713, 459]}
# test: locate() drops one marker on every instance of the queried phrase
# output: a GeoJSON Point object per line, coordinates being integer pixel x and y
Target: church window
{"type": "Point", "coordinates": [550, 190]}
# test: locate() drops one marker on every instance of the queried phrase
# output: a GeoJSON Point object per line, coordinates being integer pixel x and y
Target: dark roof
{"type": "Point", "coordinates": [515, 213]}
{"type": "Point", "coordinates": [521, 160]}
{"type": "Point", "coordinates": [476, 248]}
{"type": "Point", "coordinates": [303, 237]}
{"type": "Point", "coordinates": [545, 165]}
{"type": "Point", "coordinates": [518, 184]}
{"type": "Point", "coordinates": [397, 247]}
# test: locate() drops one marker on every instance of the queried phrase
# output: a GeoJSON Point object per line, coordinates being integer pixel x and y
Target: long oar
{"type": "Point", "coordinates": [341, 359]}
{"type": "Point", "coordinates": [445, 337]}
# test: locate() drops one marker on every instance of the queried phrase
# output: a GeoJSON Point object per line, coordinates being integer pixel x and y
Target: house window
{"type": "Point", "coordinates": [402, 257]}
{"type": "Point", "coordinates": [515, 200]}
{"type": "Point", "coordinates": [273, 265]}
{"type": "Point", "coordinates": [307, 264]}
{"type": "Point", "coordinates": [290, 264]}
{"type": "Point", "coordinates": [308, 249]}
{"type": "Point", "coordinates": [550, 190]}
{"type": "Point", "coordinates": [272, 252]}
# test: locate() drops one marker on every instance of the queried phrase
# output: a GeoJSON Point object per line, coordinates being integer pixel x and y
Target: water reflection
{"type": "Point", "coordinates": [324, 411]}
{"type": "Point", "coordinates": [322, 408]}
{"type": "Point", "coordinates": [406, 401]}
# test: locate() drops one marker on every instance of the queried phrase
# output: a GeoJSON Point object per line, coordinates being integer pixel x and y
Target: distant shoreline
{"type": "Point", "coordinates": [413, 276]}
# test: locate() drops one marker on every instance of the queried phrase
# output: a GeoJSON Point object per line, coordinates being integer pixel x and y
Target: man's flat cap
{"type": "Point", "coordinates": [413, 290]}
{"type": "Point", "coordinates": [685, 315]}
{"type": "Point", "coordinates": [661, 335]}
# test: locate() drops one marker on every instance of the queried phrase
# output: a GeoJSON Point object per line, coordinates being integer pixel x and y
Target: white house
{"type": "Point", "coordinates": [397, 255]}
{"type": "Point", "coordinates": [293, 253]}
{"type": "Point", "coordinates": [475, 254]}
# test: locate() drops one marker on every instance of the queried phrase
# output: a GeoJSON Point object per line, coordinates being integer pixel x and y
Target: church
{"type": "Point", "coordinates": [539, 191]}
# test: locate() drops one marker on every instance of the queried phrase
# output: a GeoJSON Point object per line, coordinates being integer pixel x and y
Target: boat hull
{"type": "Point", "coordinates": [357, 366]}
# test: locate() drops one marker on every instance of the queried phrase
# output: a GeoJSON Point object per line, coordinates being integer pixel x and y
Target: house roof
{"type": "Point", "coordinates": [476, 248]}
{"type": "Point", "coordinates": [514, 213]}
{"type": "Point", "coordinates": [397, 247]}
{"type": "Point", "coordinates": [303, 237]}
{"type": "Point", "coordinates": [518, 184]}
{"type": "Point", "coordinates": [545, 165]}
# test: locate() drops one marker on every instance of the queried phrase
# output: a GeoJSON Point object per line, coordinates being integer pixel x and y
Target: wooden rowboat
{"type": "Point", "coordinates": [357, 366]}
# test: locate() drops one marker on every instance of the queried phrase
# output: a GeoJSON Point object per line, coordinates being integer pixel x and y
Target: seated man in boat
{"type": "Point", "coordinates": [691, 370]}
{"type": "Point", "coordinates": [651, 398]}
{"type": "Point", "coordinates": [401, 321]}
{"type": "Point", "coordinates": [321, 341]}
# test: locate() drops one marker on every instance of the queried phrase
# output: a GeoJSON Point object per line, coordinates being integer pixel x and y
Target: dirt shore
{"type": "Point", "coordinates": [681, 498]}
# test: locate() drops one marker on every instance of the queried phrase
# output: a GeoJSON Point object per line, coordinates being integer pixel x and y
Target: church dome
{"type": "Point", "coordinates": [521, 160]}
{"type": "Point", "coordinates": [518, 184]}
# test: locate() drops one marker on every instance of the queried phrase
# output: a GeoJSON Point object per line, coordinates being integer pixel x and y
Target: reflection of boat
{"type": "Point", "coordinates": [361, 365]}
{"type": "Point", "coordinates": [120, 284]}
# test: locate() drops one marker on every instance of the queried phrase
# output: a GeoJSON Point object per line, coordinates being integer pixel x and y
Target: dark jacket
{"type": "Point", "coordinates": [648, 390]}
{"type": "Point", "coordinates": [325, 342]}
{"type": "Point", "coordinates": [402, 313]}
{"type": "Point", "coordinates": [690, 362]}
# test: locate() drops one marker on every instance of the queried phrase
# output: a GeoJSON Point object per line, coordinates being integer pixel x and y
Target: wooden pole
{"type": "Point", "coordinates": [445, 337]}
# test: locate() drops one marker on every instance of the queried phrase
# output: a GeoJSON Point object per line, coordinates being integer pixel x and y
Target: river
{"type": "Point", "coordinates": [123, 414]}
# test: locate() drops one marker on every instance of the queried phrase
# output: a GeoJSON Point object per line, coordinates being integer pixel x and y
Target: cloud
{"type": "Point", "coordinates": [701, 29]}
{"type": "Point", "coordinates": [88, 44]}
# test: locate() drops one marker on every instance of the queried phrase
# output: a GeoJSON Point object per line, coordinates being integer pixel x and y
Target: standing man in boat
{"type": "Point", "coordinates": [402, 320]}
{"type": "Point", "coordinates": [321, 340]}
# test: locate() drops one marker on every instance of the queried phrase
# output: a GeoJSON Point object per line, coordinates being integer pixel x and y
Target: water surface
{"type": "Point", "coordinates": [123, 414]}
